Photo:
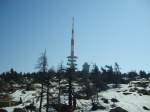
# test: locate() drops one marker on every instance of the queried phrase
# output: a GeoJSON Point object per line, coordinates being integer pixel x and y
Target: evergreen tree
{"type": "Point", "coordinates": [85, 68]}
{"type": "Point", "coordinates": [142, 74]}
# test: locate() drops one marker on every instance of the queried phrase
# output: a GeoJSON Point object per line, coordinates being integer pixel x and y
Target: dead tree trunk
{"type": "Point", "coordinates": [41, 98]}
{"type": "Point", "coordinates": [74, 101]}
{"type": "Point", "coordinates": [47, 106]}
{"type": "Point", "coordinates": [59, 93]}
{"type": "Point", "coordinates": [70, 90]}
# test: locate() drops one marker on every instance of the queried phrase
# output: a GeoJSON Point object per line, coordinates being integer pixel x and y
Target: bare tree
{"type": "Point", "coordinates": [42, 63]}
{"type": "Point", "coordinates": [117, 74]}
{"type": "Point", "coordinates": [42, 66]}
{"type": "Point", "coordinates": [47, 106]}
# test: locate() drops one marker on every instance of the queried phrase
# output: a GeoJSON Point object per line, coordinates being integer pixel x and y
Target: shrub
{"type": "Point", "coordinates": [144, 92]}
{"type": "Point", "coordinates": [132, 90]}
{"type": "Point", "coordinates": [105, 100]}
{"type": "Point", "coordinates": [142, 84]}
{"type": "Point", "coordinates": [23, 92]}
{"type": "Point", "coordinates": [145, 108]}
{"type": "Point", "coordinates": [96, 107]}
{"type": "Point", "coordinates": [114, 100]}
{"type": "Point", "coordinates": [125, 90]}
{"type": "Point", "coordinates": [30, 107]}
{"type": "Point", "coordinates": [19, 110]}
{"type": "Point", "coordinates": [126, 93]}
{"type": "Point", "coordinates": [118, 109]}
{"type": "Point", "coordinates": [118, 91]}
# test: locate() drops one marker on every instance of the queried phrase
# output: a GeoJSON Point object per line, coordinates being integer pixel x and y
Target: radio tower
{"type": "Point", "coordinates": [72, 58]}
{"type": "Point", "coordinates": [71, 70]}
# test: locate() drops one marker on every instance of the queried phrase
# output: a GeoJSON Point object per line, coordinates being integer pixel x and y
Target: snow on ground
{"type": "Point", "coordinates": [132, 102]}
{"type": "Point", "coordinates": [24, 95]}
{"type": "Point", "coordinates": [10, 109]}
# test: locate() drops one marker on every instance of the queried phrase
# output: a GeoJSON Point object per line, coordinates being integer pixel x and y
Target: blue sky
{"type": "Point", "coordinates": [106, 31]}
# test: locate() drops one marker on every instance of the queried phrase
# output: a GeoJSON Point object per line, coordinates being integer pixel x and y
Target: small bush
{"type": "Point", "coordinates": [116, 86]}
{"type": "Point", "coordinates": [118, 109]}
{"type": "Point", "coordinates": [140, 94]}
{"type": "Point", "coordinates": [127, 93]}
{"type": "Point", "coordinates": [96, 107]}
{"type": "Point", "coordinates": [30, 107]}
{"type": "Point", "coordinates": [118, 91]}
{"type": "Point", "coordinates": [136, 89]}
{"type": "Point", "coordinates": [23, 92]}
{"type": "Point", "coordinates": [129, 86]}
{"type": "Point", "coordinates": [62, 107]}
{"type": "Point", "coordinates": [19, 110]}
{"type": "Point", "coordinates": [114, 100]}
{"type": "Point", "coordinates": [144, 92]}
{"type": "Point", "coordinates": [142, 84]}
{"type": "Point", "coordinates": [105, 100]}
{"type": "Point", "coordinates": [81, 96]}
{"type": "Point", "coordinates": [132, 90]}
{"type": "Point", "coordinates": [125, 90]}
{"type": "Point", "coordinates": [145, 108]}
{"type": "Point", "coordinates": [113, 105]}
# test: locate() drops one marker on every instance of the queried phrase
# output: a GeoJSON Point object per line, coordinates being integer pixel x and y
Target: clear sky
{"type": "Point", "coordinates": [106, 31]}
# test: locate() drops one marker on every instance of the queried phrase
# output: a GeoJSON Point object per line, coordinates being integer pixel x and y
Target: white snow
{"type": "Point", "coordinates": [132, 102]}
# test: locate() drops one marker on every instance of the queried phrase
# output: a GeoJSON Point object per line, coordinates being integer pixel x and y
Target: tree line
{"type": "Point", "coordinates": [107, 74]}
{"type": "Point", "coordinates": [91, 78]}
